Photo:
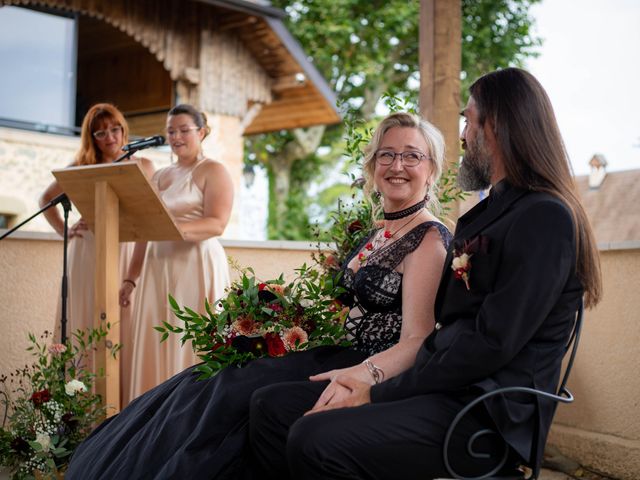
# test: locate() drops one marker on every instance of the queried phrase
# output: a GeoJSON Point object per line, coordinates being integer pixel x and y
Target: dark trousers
{"type": "Point", "coordinates": [401, 439]}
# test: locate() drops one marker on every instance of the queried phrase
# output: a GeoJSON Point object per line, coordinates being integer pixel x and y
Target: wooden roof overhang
{"type": "Point", "coordinates": [301, 97]}
{"type": "Point", "coordinates": [281, 91]}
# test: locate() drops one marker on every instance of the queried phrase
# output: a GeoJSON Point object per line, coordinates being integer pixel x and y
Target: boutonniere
{"type": "Point", "coordinates": [462, 253]}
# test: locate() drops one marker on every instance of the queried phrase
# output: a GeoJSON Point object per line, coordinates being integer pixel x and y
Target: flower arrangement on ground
{"type": "Point", "coordinates": [49, 406]}
{"type": "Point", "coordinates": [262, 318]}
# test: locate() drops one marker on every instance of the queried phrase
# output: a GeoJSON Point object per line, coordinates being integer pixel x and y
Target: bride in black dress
{"type": "Point", "coordinates": [190, 429]}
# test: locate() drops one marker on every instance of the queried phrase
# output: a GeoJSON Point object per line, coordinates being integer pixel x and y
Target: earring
{"type": "Point", "coordinates": [376, 195]}
{"type": "Point", "coordinates": [427, 197]}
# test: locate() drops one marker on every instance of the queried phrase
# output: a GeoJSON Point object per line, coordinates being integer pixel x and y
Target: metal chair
{"type": "Point", "coordinates": [563, 395]}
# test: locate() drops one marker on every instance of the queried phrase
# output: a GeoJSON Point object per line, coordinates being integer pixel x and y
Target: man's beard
{"type": "Point", "coordinates": [475, 170]}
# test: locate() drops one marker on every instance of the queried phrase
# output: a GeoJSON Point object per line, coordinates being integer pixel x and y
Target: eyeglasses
{"type": "Point", "coordinates": [181, 131]}
{"type": "Point", "coordinates": [408, 159]}
{"type": "Point", "coordinates": [102, 134]}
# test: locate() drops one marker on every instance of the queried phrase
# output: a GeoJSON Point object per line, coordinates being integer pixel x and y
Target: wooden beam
{"type": "Point", "coordinates": [440, 64]}
{"type": "Point", "coordinates": [237, 23]}
{"type": "Point", "coordinates": [287, 82]}
{"type": "Point", "coordinates": [106, 306]}
{"type": "Point", "coordinates": [269, 125]}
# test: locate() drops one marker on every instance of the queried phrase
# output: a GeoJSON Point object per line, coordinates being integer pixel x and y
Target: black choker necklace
{"type": "Point", "coordinates": [406, 212]}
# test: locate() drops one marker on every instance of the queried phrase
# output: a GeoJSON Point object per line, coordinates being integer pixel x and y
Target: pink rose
{"type": "Point", "coordinates": [294, 337]}
{"type": "Point", "coordinates": [56, 348]}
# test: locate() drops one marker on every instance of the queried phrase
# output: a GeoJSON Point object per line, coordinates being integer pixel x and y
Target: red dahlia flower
{"type": "Point", "coordinates": [38, 398]}
{"type": "Point", "coordinates": [275, 345]}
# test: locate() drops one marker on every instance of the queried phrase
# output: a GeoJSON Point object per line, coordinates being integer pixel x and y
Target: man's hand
{"type": "Point", "coordinates": [334, 393]}
{"type": "Point", "coordinates": [348, 392]}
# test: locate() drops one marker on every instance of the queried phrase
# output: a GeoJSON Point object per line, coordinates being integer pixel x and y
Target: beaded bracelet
{"type": "Point", "coordinates": [376, 372]}
{"type": "Point", "coordinates": [126, 280]}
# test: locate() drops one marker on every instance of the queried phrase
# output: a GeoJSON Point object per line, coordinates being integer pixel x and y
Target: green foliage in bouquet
{"type": "Point", "coordinates": [262, 318]}
{"type": "Point", "coordinates": [49, 406]}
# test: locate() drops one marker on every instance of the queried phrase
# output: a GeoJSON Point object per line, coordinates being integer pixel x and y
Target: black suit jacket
{"type": "Point", "coordinates": [510, 327]}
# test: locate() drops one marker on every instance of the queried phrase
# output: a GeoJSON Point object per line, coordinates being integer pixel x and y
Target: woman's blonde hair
{"type": "Point", "coordinates": [89, 153]}
{"type": "Point", "coordinates": [435, 155]}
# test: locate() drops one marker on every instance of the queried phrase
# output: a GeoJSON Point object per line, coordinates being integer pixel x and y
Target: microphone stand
{"type": "Point", "coordinates": [66, 206]}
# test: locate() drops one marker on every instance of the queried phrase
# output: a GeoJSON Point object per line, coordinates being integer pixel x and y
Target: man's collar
{"type": "Point", "coordinates": [498, 189]}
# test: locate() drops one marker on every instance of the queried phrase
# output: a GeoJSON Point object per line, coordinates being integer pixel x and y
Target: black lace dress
{"type": "Point", "coordinates": [376, 291]}
{"type": "Point", "coordinates": [190, 429]}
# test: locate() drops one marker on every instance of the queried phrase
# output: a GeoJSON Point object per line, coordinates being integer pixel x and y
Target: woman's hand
{"type": "Point", "coordinates": [183, 228]}
{"type": "Point", "coordinates": [357, 393]}
{"type": "Point", "coordinates": [125, 294]}
{"type": "Point", "coordinates": [332, 394]}
{"type": "Point", "coordinates": [335, 391]}
{"type": "Point", "coordinates": [77, 229]}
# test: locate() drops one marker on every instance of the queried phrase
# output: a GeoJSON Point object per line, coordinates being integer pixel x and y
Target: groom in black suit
{"type": "Point", "coordinates": [520, 263]}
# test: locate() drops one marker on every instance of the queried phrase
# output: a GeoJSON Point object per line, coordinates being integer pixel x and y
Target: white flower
{"type": "Point", "coordinates": [44, 440]}
{"type": "Point", "coordinates": [460, 262]}
{"type": "Point", "coordinates": [306, 303]}
{"type": "Point", "coordinates": [74, 386]}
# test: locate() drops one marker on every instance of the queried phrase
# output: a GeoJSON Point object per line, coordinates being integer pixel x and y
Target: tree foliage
{"type": "Point", "coordinates": [365, 49]}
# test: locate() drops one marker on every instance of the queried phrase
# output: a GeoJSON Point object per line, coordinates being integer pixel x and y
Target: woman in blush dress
{"type": "Point", "coordinates": [199, 194]}
{"type": "Point", "coordinates": [104, 132]}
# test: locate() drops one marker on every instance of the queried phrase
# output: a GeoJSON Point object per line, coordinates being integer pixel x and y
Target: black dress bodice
{"type": "Point", "coordinates": [374, 292]}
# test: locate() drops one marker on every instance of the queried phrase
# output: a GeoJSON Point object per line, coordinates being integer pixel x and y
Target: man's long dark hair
{"type": "Point", "coordinates": [522, 119]}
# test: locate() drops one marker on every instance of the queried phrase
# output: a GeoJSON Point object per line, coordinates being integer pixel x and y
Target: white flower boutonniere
{"type": "Point", "coordinates": [461, 263]}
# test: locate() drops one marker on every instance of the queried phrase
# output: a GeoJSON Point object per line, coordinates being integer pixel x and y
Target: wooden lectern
{"type": "Point", "coordinates": [119, 204]}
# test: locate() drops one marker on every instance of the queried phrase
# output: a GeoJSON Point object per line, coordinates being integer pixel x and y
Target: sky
{"type": "Point", "coordinates": [42, 59]}
{"type": "Point", "coordinates": [590, 67]}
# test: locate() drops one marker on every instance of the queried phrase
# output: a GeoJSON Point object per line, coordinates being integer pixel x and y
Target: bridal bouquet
{"type": "Point", "coordinates": [262, 318]}
{"type": "Point", "coordinates": [49, 406]}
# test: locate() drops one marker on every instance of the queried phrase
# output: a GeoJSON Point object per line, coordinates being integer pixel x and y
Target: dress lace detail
{"type": "Point", "coordinates": [374, 292]}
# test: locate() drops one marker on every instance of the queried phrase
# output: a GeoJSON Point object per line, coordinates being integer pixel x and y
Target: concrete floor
{"type": "Point", "coordinates": [547, 474]}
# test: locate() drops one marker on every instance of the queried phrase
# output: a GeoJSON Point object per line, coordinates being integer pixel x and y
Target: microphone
{"type": "Point", "coordinates": [154, 141]}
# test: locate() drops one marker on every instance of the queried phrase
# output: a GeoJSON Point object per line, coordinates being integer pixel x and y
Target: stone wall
{"type": "Point", "coordinates": [26, 161]}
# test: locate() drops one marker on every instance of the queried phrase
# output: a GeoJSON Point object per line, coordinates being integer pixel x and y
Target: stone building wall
{"type": "Point", "coordinates": [26, 161]}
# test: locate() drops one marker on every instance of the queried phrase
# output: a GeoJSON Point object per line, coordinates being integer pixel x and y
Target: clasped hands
{"type": "Point", "coordinates": [348, 388]}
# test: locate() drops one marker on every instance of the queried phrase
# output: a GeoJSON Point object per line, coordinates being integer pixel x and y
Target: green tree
{"type": "Point", "coordinates": [366, 48]}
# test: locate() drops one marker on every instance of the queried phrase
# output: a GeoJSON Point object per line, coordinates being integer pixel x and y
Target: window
{"type": "Point", "coordinates": [4, 220]}
{"type": "Point", "coordinates": [38, 54]}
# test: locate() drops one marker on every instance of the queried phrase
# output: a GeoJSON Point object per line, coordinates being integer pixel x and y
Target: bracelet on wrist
{"type": "Point", "coordinates": [377, 374]}
{"type": "Point", "coordinates": [126, 280]}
